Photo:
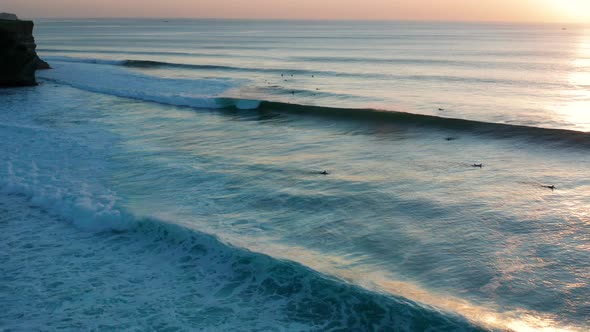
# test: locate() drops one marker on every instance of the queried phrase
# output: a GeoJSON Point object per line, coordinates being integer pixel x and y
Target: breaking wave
{"type": "Point", "coordinates": [210, 94]}
{"type": "Point", "coordinates": [305, 296]}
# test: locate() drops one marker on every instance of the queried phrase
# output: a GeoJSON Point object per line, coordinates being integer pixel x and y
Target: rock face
{"type": "Point", "coordinates": [18, 59]}
{"type": "Point", "coordinates": [8, 16]}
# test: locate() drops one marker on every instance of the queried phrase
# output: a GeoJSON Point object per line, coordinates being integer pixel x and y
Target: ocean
{"type": "Point", "coordinates": [166, 175]}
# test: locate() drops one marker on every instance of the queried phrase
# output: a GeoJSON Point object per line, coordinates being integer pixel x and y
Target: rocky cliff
{"type": "Point", "coordinates": [18, 58]}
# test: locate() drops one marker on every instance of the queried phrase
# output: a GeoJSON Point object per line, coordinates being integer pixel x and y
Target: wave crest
{"type": "Point", "coordinates": [209, 94]}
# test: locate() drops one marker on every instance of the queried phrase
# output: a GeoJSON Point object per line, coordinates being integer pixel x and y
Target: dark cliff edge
{"type": "Point", "coordinates": [18, 58]}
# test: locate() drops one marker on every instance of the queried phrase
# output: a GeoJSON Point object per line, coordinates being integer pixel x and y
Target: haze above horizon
{"type": "Point", "coordinates": [565, 11]}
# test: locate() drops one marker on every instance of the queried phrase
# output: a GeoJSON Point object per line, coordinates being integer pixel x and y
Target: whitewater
{"type": "Point", "coordinates": [166, 176]}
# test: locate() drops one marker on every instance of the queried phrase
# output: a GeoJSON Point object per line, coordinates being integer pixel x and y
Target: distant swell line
{"type": "Point", "coordinates": [426, 62]}
{"type": "Point", "coordinates": [292, 71]}
{"type": "Point", "coordinates": [56, 50]}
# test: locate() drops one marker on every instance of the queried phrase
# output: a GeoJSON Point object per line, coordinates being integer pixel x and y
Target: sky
{"type": "Point", "coordinates": [437, 10]}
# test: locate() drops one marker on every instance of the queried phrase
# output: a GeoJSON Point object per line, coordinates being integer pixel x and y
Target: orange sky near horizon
{"type": "Point", "coordinates": [438, 10]}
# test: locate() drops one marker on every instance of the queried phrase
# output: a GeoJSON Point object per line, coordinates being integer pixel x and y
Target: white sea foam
{"type": "Point", "coordinates": [122, 82]}
{"type": "Point", "coordinates": [57, 168]}
{"type": "Point", "coordinates": [82, 207]}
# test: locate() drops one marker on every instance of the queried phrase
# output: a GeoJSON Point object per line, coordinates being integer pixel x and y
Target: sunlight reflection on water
{"type": "Point", "coordinates": [576, 108]}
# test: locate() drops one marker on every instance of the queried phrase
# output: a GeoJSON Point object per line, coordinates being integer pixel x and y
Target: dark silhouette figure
{"type": "Point", "coordinates": [324, 173]}
{"type": "Point", "coordinates": [477, 165]}
{"type": "Point", "coordinates": [441, 109]}
{"type": "Point", "coordinates": [450, 138]}
{"type": "Point", "coordinates": [552, 187]}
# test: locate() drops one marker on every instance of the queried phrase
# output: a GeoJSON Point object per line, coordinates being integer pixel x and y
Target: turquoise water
{"type": "Point", "coordinates": [165, 175]}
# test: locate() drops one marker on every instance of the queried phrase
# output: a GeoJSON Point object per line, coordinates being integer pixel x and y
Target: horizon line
{"type": "Point", "coordinates": [303, 19]}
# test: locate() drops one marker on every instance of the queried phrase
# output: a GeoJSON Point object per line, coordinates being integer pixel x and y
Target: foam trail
{"type": "Point", "coordinates": [119, 82]}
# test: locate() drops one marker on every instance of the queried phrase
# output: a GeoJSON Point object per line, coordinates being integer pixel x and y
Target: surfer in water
{"type": "Point", "coordinates": [477, 165]}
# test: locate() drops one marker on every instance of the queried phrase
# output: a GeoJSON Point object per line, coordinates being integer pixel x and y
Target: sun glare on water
{"type": "Point", "coordinates": [575, 107]}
